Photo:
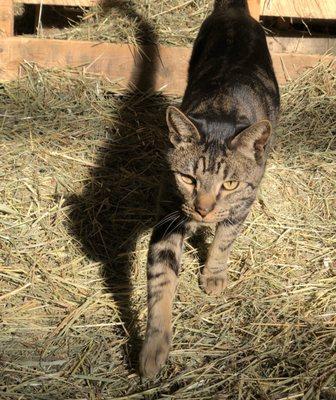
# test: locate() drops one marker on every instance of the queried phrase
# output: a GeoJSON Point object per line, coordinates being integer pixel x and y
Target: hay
{"type": "Point", "coordinates": [80, 179]}
{"type": "Point", "coordinates": [175, 22]}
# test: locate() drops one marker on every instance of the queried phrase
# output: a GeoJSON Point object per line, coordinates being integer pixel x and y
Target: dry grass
{"type": "Point", "coordinates": [80, 177]}
{"type": "Point", "coordinates": [175, 22]}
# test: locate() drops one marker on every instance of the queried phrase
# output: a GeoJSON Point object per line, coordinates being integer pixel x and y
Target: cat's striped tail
{"type": "Point", "coordinates": [222, 5]}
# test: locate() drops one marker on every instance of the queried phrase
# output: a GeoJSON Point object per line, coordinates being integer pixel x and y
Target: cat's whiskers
{"type": "Point", "coordinates": [166, 219]}
{"type": "Point", "coordinates": [167, 231]}
{"type": "Point", "coordinates": [181, 223]}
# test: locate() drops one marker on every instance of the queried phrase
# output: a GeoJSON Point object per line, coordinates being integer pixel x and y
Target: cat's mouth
{"type": "Point", "coordinates": [212, 217]}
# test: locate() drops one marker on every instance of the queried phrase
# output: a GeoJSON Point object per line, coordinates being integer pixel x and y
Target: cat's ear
{"type": "Point", "coordinates": [253, 140]}
{"type": "Point", "coordinates": [181, 129]}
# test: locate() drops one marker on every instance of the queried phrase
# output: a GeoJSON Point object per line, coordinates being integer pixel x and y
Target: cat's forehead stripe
{"type": "Point", "coordinates": [225, 171]}
{"type": "Point", "coordinates": [200, 166]}
{"type": "Point", "coordinates": [205, 164]}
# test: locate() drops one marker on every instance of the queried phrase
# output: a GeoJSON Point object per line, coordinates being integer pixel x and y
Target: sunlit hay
{"type": "Point", "coordinates": [80, 177]}
{"type": "Point", "coordinates": [175, 22]}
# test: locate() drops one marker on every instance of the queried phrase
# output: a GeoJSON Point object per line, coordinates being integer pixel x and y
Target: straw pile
{"type": "Point", "coordinates": [175, 22]}
{"type": "Point", "coordinates": [80, 183]}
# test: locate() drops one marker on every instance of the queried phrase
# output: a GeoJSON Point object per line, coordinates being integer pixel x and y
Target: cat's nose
{"type": "Point", "coordinates": [203, 211]}
{"type": "Point", "coordinates": [204, 204]}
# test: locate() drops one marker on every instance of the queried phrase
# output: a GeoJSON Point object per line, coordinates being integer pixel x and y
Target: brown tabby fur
{"type": "Point", "coordinates": [221, 138]}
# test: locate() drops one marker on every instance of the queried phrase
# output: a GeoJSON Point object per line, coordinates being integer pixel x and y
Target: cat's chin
{"type": "Point", "coordinates": [205, 221]}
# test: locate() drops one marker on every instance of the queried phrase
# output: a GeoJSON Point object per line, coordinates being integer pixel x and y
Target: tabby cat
{"type": "Point", "coordinates": [221, 138]}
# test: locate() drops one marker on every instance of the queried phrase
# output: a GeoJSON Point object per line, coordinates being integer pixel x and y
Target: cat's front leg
{"type": "Point", "coordinates": [163, 265]}
{"type": "Point", "coordinates": [214, 275]}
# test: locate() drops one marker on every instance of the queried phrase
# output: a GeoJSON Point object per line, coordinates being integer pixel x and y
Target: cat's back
{"type": "Point", "coordinates": [234, 36]}
{"type": "Point", "coordinates": [230, 59]}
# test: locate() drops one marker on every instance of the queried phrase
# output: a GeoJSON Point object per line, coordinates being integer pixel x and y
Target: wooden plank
{"type": "Point", "coordinates": [6, 18]}
{"type": "Point", "coordinates": [74, 3]}
{"type": "Point", "coordinates": [124, 63]}
{"type": "Point", "coordinates": [319, 9]}
{"type": "Point", "coordinates": [254, 8]}
{"type": "Point", "coordinates": [288, 66]}
{"type": "Point", "coordinates": [116, 61]}
{"type": "Point", "coordinates": [302, 45]}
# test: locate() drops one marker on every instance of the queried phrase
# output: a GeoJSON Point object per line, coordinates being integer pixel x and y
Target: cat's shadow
{"type": "Point", "coordinates": [121, 197]}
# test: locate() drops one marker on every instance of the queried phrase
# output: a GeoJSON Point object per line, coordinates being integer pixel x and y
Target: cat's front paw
{"type": "Point", "coordinates": [154, 354]}
{"type": "Point", "coordinates": [213, 284]}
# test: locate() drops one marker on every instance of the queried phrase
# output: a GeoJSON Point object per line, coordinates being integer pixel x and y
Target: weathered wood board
{"type": "Point", "coordinates": [6, 18]}
{"type": "Point", "coordinates": [319, 9]}
{"type": "Point", "coordinates": [124, 62]}
{"type": "Point", "coordinates": [302, 45]}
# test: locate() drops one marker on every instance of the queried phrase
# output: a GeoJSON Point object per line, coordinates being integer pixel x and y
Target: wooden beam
{"type": "Point", "coordinates": [254, 8]}
{"type": "Point", "coordinates": [124, 62]}
{"type": "Point", "coordinates": [302, 45]}
{"type": "Point", "coordinates": [288, 66]}
{"type": "Point", "coordinates": [116, 61]}
{"type": "Point", "coordinates": [319, 9]}
{"type": "Point", "coordinates": [6, 18]}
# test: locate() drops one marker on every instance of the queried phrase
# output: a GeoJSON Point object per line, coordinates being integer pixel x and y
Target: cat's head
{"type": "Point", "coordinates": [217, 180]}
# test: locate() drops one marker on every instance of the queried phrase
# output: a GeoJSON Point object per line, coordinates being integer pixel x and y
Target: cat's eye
{"type": "Point", "coordinates": [230, 185]}
{"type": "Point", "coordinates": [189, 180]}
